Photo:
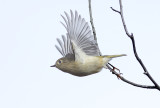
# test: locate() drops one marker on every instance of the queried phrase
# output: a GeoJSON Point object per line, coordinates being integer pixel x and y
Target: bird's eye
{"type": "Point", "coordinates": [59, 61]}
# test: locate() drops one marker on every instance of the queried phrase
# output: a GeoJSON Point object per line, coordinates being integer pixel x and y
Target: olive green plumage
{"type": "Point", "coordinates": [81, 55]}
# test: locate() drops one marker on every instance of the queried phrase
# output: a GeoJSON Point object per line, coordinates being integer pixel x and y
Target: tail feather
{"type": "Point", "coordinates": [113, 56]}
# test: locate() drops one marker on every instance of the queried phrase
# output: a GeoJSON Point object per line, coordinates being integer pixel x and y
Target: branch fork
{"type": "Point", "coordinates": [131, 36]}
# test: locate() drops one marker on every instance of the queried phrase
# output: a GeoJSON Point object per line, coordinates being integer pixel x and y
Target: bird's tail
{"type": "Point", "coordinates": [113, 56]}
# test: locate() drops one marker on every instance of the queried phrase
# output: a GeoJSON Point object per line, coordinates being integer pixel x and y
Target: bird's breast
{"type": "Point", "coordinates": [90, 65]}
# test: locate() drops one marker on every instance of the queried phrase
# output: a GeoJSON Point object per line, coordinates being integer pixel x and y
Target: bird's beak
{"type": "Point", "coordinates": [53, 66]}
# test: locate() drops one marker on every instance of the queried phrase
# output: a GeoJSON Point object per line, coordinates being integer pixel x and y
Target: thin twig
{"type": "Point", "coordinates": [112, 70]}
{"type": "Point", "coordinates": [91, 20]}
{"type": "Point", "coordinates": [92, 24]}
{"type": "Point", "coordinates": [134, 49]}
{"type": "Point", "coordinates": [129, 82]}
{"type": "Point", "coordinates": [141, 63]}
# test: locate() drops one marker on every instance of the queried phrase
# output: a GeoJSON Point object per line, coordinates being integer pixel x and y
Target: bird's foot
{"type": "Point", "coordinates": [114, 69]}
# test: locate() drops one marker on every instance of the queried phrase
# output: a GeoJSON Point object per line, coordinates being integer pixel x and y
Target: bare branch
{"type": "Point", "coordinates": [135, 52]}
{"type": "Point", "coordinates": [92, 24]}
{"type": "Point", "coordinates": [156, 86]}
{"type": "Point", "coordinates": [141, 63]}
{"type": "Point", "coordinates": [134, 49]}
{"type": "Point", "coordinates": [127, 81]}
{"type": "Point", "coordinates": [91, 20]}
{"type": "Point", "coordinates": [115, 10]}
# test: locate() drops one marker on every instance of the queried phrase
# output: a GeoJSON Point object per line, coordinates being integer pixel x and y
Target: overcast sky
{"type": "Point", "coordinates": [28, 32]}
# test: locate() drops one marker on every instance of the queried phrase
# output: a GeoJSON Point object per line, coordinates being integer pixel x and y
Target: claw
{"type": "Point", "coordinates": [119, 75]}
{"type": "Point", "coordinates": [114, 68]}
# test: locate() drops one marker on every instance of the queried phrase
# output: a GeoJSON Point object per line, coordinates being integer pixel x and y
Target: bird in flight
{"type": "Point", "coordinates": [81, 54]}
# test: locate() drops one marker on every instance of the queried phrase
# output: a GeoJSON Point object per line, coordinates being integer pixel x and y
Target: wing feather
{"type": "Point", "coordinates": [79, 32]}
{"type": "Point", "coordinates": [59, 49]}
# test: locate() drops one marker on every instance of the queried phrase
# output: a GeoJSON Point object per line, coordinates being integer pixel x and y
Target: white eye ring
{"type": "Point", "coordinates": [60, 61]}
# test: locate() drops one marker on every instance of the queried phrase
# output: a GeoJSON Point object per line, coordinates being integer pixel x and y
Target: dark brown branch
{"type": "Point", "coordinates": [135, 53]}
{"type": "Point", "coordinates": [141, 63]}
{"type": "Point", "coordinates": [129, 82]}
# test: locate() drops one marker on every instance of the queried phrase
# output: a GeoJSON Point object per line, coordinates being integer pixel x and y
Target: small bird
{"type": "Point", "coordinates": [81, 55]}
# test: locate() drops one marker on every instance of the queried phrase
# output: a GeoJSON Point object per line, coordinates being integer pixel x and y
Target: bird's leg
{"type": "Point", "coordinates": [113, 69]}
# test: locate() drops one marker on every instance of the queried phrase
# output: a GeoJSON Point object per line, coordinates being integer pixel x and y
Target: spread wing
{"type": "Point", "coordinates": [78, 31]}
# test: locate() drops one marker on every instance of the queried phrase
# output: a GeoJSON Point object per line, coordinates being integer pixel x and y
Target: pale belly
{"type": "Point", "coordinates": [90, 66]}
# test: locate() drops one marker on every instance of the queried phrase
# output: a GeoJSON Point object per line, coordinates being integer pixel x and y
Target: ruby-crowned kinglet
{"type": "Point", "coordinates": [81, 55]}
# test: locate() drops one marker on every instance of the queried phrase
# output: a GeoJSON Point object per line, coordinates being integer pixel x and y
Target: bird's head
{"type": "Point", "coordinates": [63, 64]}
